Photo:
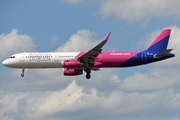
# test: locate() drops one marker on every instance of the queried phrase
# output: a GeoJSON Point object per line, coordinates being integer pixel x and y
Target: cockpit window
{"type": "Point", "coordinates": [12, 56]}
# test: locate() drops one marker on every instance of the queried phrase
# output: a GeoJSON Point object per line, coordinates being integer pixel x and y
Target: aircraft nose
{"type": "Point", "coordinates": [5, 63]}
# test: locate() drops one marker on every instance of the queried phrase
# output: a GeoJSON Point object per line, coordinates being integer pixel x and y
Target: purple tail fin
{"type": "Point", "coordinates": [161, 42]}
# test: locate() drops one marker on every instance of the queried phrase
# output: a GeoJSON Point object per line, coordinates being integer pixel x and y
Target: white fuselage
{"type": "Point", "coordinates": [39, 60]}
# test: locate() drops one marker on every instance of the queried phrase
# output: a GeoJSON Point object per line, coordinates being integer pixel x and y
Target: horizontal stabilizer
{"type": "Point", "coordinates": [164, 53]}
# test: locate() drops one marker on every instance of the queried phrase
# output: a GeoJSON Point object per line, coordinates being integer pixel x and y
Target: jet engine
{"type": "Point", "coordinates": [71, 63]}
{"type": "Point", "coordinates": [72, 72]}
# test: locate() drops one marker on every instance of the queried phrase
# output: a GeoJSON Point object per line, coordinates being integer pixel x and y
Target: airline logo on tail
{"type": "Point", "coordinates": [161, 42]}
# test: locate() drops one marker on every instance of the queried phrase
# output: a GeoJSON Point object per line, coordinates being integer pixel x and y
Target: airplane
{"type": "Point", "coordinates": [74, 63]}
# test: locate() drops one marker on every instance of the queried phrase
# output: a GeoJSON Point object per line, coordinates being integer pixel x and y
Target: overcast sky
{"type": "Point", "coordinates": [150, 92]}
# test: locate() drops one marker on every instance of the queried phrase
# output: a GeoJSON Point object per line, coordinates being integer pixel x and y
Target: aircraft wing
{"type": "Point", "coordinates": [91, 55]}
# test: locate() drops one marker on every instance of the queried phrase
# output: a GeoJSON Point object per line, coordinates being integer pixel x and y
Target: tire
{"type": "Point", "coordinates": [88, 76]}
{"type": "Point", "coordinates": [22, 74]}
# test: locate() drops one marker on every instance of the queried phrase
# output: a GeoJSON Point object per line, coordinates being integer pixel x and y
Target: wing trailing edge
{"type": "Point", "coordinates": [92, 54]}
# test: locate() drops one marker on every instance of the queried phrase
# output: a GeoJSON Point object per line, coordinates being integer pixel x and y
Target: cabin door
{"type": "Point", "coordinates": [143, 55]}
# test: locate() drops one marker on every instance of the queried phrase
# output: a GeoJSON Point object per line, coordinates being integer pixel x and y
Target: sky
{"type": "Point", "coordinates": [150, 92]}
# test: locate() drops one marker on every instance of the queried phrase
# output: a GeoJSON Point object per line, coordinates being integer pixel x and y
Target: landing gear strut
{"type": "Point", "coordinates": [88, 71]}
{"type": "Point", "coordinates": [22, 74]}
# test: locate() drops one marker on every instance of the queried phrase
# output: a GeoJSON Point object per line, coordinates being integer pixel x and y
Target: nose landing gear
{"type": "Point", "coordinates": [22, 74]}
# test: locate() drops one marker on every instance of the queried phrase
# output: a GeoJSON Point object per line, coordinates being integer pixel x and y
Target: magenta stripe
{"type": "Point", "coordinates": [163, 34]}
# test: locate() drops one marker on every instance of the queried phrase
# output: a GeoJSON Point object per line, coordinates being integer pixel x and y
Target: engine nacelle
{"type": "Point", "coordinates": [72, 72]}
{"type": "Point", "coordinates": [71, 64]}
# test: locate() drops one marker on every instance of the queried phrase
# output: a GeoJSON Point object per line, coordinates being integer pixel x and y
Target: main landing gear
{"type": "Point", "coordinates": [88, 71]}
{"type": "Point", "coordinates": [22, 74]}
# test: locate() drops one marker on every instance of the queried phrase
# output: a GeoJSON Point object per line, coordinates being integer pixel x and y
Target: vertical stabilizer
{"type": "Point", "coordinates": [161, 42]}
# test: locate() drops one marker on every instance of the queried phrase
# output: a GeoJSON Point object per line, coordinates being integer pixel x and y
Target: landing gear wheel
{"type": "Point", "coordinates": [22, 74]}
{"type": "Point", "coordinates": [88, 70]}
{"type": "Point", "coordinates": [88, 76]}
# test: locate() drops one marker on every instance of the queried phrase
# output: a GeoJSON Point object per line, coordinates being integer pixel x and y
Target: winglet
{"type": "Point", "coordinates": [107, 37]}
